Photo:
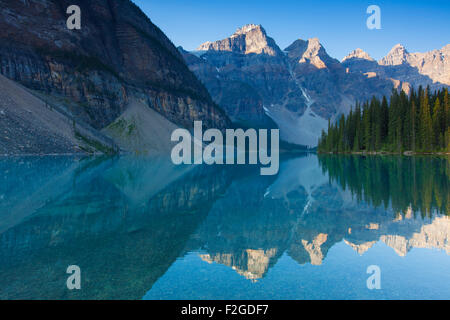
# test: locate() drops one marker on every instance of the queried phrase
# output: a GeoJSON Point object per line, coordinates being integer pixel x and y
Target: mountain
{"type": "Point", "coordinates": [247, 74]}
{"type": "Point", "coordinates": [429, 68]}
{"type": "Point", "coordinates": [299, 89]}
{"type": "Point", "coordinates": [331, 89]}
{"type": "Point", "coordinates": [94, 74]}
{"type": "Point", "coordinates": [406, 70]}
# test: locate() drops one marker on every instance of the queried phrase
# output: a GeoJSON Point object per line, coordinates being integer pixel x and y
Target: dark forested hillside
{"type": "Point", "coordinates": [417, 123]}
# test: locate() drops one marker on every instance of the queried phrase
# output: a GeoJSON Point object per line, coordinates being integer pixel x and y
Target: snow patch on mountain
{"type": "Point", "coordinates": [301, 130]}
{"type": "Point", "coordinates": [298, 129]}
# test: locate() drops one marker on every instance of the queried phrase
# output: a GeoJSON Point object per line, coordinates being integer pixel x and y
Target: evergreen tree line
{"type": "Point", "coordinates": [419, 122]}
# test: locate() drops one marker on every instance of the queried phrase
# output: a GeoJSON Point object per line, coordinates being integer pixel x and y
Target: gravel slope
{"type": "Point", "coordinates": [28, 126]}
{"type": "Point", "coordinates": [142, 130]}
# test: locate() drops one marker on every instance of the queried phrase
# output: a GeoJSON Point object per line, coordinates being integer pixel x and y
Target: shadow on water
{"type": "Point", "coordinates": [125, 221]}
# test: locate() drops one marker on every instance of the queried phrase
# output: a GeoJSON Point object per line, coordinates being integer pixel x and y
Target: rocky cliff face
{"type": "Point", "coordinates": [119, 55]}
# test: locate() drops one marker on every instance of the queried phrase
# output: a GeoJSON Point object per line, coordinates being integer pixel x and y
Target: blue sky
{"type": "Point", "coordinates": [340, 25]}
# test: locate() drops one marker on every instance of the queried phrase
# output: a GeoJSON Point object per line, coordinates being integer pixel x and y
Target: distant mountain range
{"type": "Point", "coordinates": [301, 87]}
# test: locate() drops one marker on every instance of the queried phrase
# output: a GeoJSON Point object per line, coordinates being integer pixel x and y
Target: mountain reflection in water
{"type": "Point", "coordinates": [143, 227]}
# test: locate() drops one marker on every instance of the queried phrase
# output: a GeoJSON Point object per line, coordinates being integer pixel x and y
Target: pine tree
{"type": "Point", "coordinates": [447, 139]}
{"type": "Point", "coordinates": [436, 124]}
{"type": "Point", "coordinates": [367, 128]}
{"type": "Point", "coordinates": [425, 124]}
{"type": "Point", "coordinates": [384, 119]}
{"type": "Point", "coordinates": [392, 122]}
{"type": "Point", "coordinates": [446, 112]}
{"type": "Point", "coordinates": [413, 125]}
{"type": "Point", "coordinates": [357, 140]}
{"type": "Point", "coordinates": [405, 123]}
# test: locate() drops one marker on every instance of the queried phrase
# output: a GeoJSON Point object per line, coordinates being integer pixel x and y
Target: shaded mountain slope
{"type": "Point", "coordinates": [118, 56]}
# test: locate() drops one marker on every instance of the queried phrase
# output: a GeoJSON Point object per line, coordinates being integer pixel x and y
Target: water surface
{"type": "Point", "coordinates": [145, 229]}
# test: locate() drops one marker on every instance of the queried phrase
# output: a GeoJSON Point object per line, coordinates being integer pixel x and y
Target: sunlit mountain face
{"type": "Point", "coordinates": [144, 228]}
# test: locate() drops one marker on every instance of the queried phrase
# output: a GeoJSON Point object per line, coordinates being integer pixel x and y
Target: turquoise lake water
{"type": "Point", "coordinates": [142, 228]}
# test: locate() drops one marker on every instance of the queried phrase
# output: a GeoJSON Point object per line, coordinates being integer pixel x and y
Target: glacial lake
{"type": "Point", "coordinates": [142, 228]}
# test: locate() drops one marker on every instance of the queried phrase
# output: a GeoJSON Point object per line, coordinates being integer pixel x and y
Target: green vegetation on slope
{"type": "Point", "coordinates": [94, 144]}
